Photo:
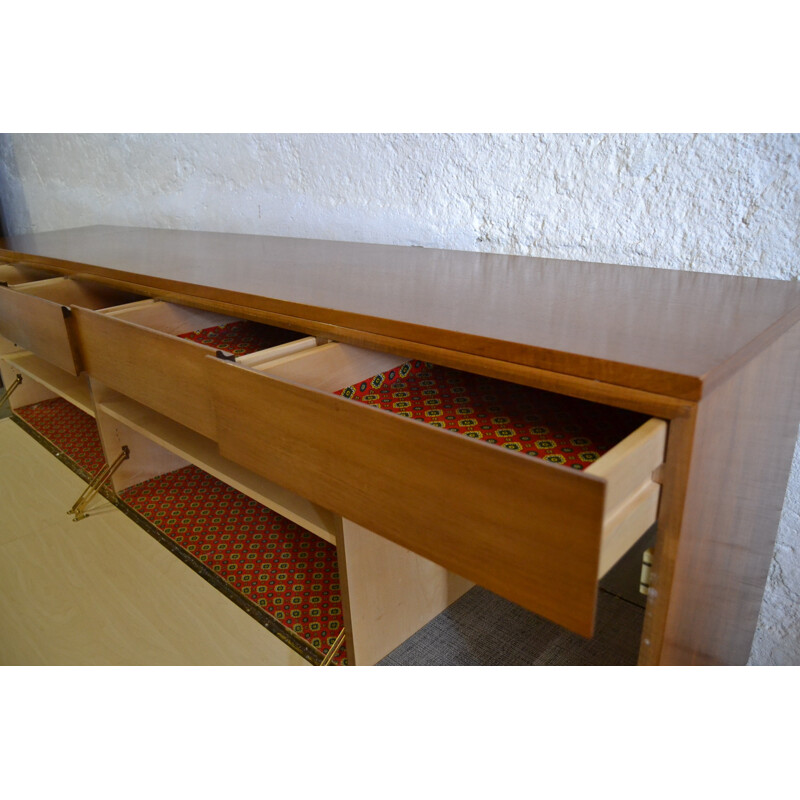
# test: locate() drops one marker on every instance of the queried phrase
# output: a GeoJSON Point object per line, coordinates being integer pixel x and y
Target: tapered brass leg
{"type": "Point", "coordinates": [11, 389]}
{"type": "Point", "coordinates": [335, 647]}
{"type": "Point", "coordinates": [79, 506]}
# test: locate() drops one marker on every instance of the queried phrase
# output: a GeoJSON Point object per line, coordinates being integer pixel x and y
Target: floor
{"type": "Point", "coordinates": [144, 611]}
{"type": "Point", "coordinates": [143, 607]}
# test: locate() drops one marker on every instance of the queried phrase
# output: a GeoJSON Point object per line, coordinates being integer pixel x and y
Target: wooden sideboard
{"type": "Point", "coordinates": [709, 361]}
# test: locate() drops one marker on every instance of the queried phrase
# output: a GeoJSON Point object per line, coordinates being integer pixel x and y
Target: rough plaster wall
{"type": "Point", "coordinates": [712, 203]}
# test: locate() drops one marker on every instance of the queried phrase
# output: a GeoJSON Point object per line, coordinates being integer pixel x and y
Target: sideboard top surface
{"type": "Point", "coordinates": [662, 330]}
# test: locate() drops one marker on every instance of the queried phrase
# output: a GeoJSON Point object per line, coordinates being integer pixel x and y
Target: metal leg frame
{"type": "Point", "coordinates": [335, 647]}
{"type": "Point", "coordinates": [79, 506]}
{"type": "Point", "coordinates": [11, 389]}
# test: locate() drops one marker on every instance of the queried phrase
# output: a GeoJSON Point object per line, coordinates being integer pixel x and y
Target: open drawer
{"type": "Point", "coordinates": [539, 533]}
{"type": "Point", "coordinates": [154, 352]}
{"type": "Point", "coordinates": [12, 274]}
{"type": "Point", "coordinates": [35, 316]}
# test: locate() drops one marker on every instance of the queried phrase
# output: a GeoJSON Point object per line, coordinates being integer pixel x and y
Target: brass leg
{"type": "Point", "coordinates": [329, 656]}
{"type": "Point", "coordinates": [79, 506]}
{"type": "Point", "coordinates": [11, 389]}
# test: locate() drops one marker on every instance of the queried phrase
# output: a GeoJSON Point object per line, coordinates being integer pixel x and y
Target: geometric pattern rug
{"type": "Point", "coordinates": [284, 571]}
{"type": "Point", "coordinates": [72, 431]}
{"type": "Point", "coordinates": [559, 429]}
{"type": "Point", "coordinates": [241, 337]}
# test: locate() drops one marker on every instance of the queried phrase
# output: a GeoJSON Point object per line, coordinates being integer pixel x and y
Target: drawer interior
{"type": "Point", "coordinates": [12, 274]}
{"type": "Point", "coordinates": [560, 430]}
{"type": "Point", "coordinates": [229, 335]}
{"type": "Point", "coordinates": [74, 291]}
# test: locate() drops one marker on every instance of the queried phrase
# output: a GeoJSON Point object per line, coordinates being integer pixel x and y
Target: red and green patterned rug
{"type": "Point", "coordinates": [288, 572]}
{"type": "Point", "coordinates": [283, 570]}
{"type": "Point", "coordinates": [242, 337]}
{"type": "Point", "coordinates": [559, 429]}
{"type": "Point", "coordinates": [68, 429]}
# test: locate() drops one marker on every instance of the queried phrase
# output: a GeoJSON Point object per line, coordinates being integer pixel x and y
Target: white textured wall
{"type": "Point", "coordinates": [712, 203]}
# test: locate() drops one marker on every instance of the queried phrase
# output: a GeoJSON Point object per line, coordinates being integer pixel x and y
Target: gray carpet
{"type": "Point", "coordinates": [482, 629]}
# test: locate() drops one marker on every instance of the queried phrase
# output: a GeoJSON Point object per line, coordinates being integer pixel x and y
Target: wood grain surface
{"type": "Point", "coordinates": [160, 370]}
{"type": "Point", "coordinates": [389, 592]}
{"type": "Point", "coordinates": [665, 331]}
{"type": "Point", "coordinates": [528, 530]}
{"type": "Point", "coordinates": [38, 325]}
{"type": "Point", "coordinates": [717, 541]}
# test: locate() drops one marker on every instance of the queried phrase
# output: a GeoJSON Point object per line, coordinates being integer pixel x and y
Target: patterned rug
{"type": "Point", "coordinates": [243, 337]}
{"type": "Point", "coordinates": [286, 572]}
{"type": "Point", "coordinates": [284, 569]}
{"type": "Point", "coordinates": [559, 429]}
{"type": "Point", "coordinates": [69, 429]}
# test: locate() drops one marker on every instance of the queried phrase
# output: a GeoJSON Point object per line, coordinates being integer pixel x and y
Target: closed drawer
{"type": "Point", "coordinates": [154, 352]}
{"type": "Point", "coordinates": [539, 533]}
{"type": "Point", "coordinates": [35, 316]}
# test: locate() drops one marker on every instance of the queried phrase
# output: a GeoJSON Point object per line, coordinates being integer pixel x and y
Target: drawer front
{"type": "Point", "coordinates": [157, 369]}
{"type": "Point", "coordinates": [38, 325]}
{"type": "Point", "coordinates": [528, 530]}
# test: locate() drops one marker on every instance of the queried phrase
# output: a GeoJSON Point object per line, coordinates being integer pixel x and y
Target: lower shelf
{"type": "Point", "coordinates": [279, 573]}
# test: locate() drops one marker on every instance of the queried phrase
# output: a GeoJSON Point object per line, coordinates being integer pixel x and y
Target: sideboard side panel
{"type": "Point", "coordinates": [744, 439]}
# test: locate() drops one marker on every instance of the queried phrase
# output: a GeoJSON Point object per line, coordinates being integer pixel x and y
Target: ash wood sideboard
{"type": "Point", "coordinates": [710, 363]}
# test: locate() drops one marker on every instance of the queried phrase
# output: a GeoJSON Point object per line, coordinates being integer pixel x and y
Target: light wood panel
{"type": "Point", "coordinates": [72, 291]}
{"type": "Point", "coordinates": [712, 560]}
{"type": "Point", "coordinates": [330, 367]}
{"type": "Point", "coordinates": [146, 458]}
{"type": "Point", "coordinates": [390, 592]}
{"type": "Point", "coordinates": [193, 448]}
{"type": "Point", "coordinates": [507, 307]}
{"type": "Point", "coordinates": [628, 466]}
{"type": "Point", "coordinates": [74, 388]}
{"type": "Point", "coordinates": [168, 317]}
{"type": "Point", "coordinates": [28, 392]}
